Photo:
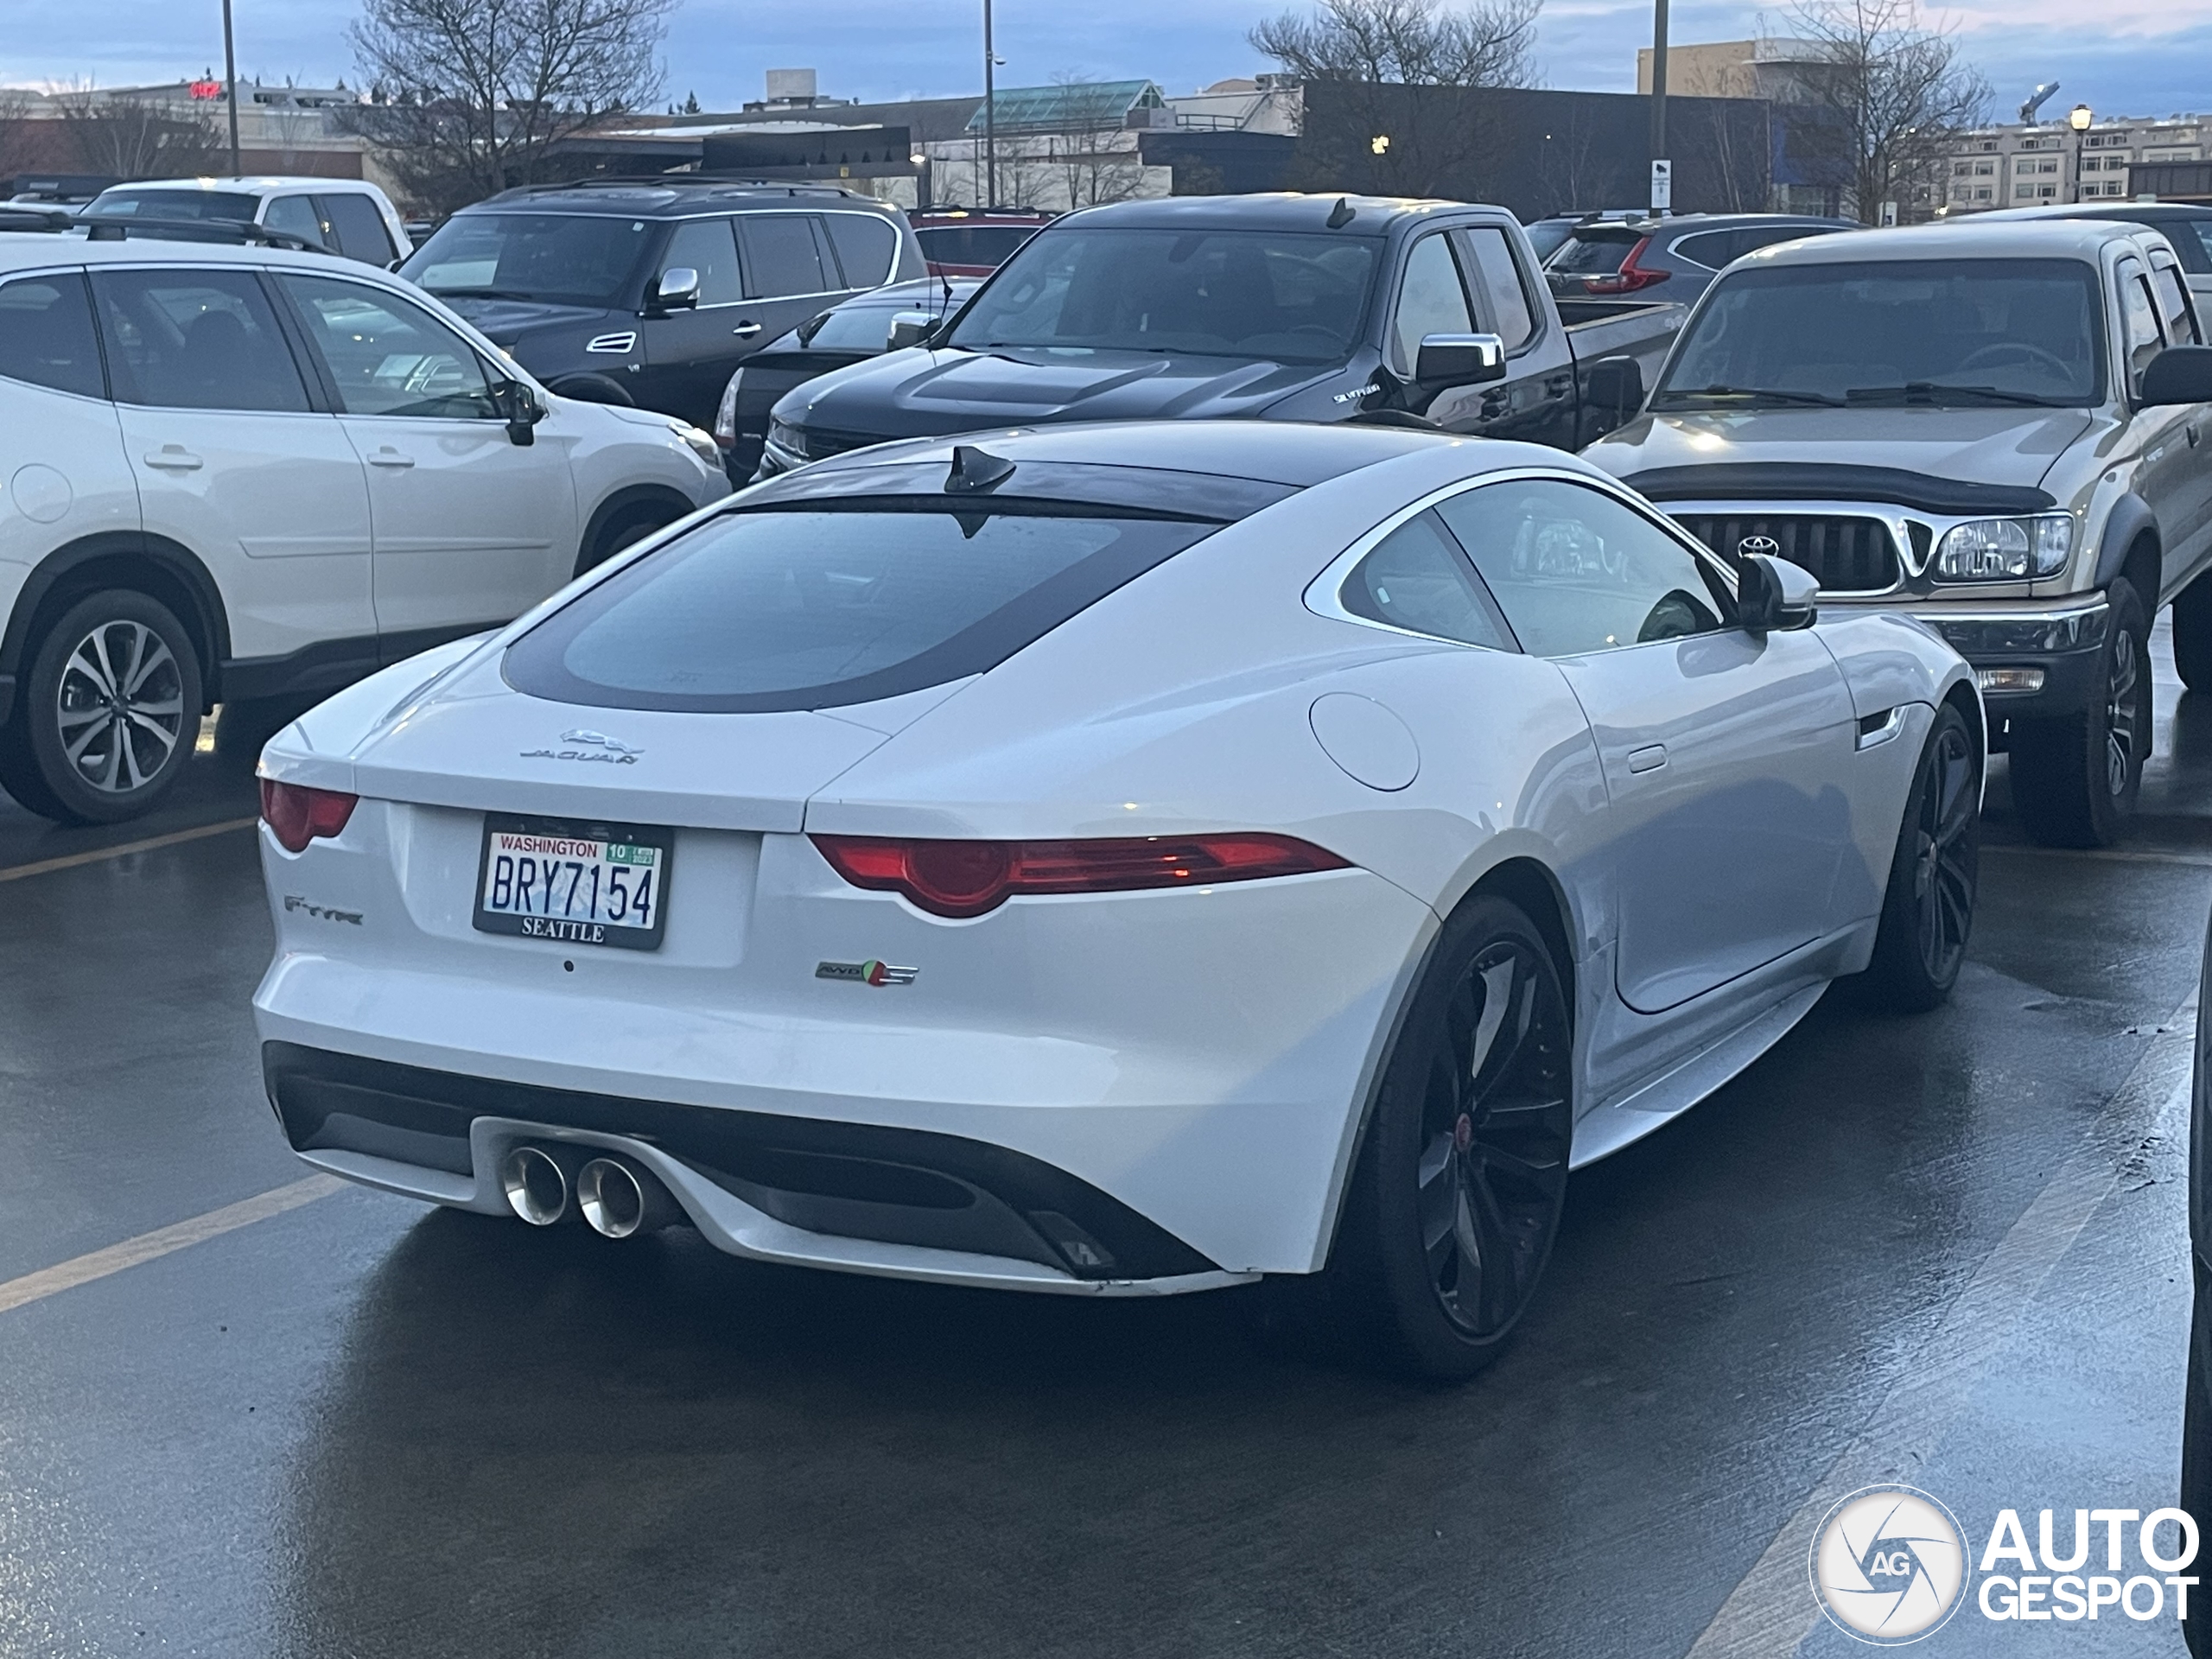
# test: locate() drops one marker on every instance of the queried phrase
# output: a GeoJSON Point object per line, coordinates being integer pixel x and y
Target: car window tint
{"type": "Point", "coordinates": [195, 339]}
{"type": "Point", "coordinates": [1713, 248]}
{"type": "Point", "coordinates": [1416, 578]}
{"type": "Point", "coordinates": [866, 247]}
{"type": "Point", "coordinates": [821, 607]}
{"type": "Point", "coordinates": [45, 335]}
{"type": "Point", "coordinates": [359, 226]}
{"type": "Point", "coordinates": [294, 216]}
{"type": "Point", "coordinates": [1500, 296]}
{"type": "Point", "coordinates": [1575, 571]}
{"type": "Point", "coordinates": [1598, 251]}
{"type": "Point", "coordinates": [704, 246]}
{"type": "Point", "coordinates": [972, 245]}
{"type": "Point", "coordinates": [780, 255]}
{"type": "Point", "coordinates": [849, 329]}
{"type": "Point", "coordinates": [2173, 305]}
{"type": "Point", "coordinates": [1430, 300]}
{"type": "Point", "coordinates": [387, 356]}
{"type": "Point", "coordinates": [174, 204]}
{"type": "Point", "coordinates": [1768, 236]}
{"type": "Point", "coordinates": [2199, 232]}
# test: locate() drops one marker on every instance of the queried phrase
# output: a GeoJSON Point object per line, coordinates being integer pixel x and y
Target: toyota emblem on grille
{"type": "Point", "coordinates": [1765, 546]}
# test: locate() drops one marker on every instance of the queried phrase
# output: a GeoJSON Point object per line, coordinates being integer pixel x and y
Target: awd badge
{"type": "Point", "coordinates": [870, 972]}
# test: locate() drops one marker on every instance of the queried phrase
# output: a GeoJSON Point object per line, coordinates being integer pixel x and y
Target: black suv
{"type": "Point", "coordinates": [650, 292]}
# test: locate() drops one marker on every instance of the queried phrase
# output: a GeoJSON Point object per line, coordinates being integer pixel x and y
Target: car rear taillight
{"type": "Point", "coordinates": [1630, 278]}
{"type": "Point", "coordinates": [297, 815]}
{"type": "Point", "coordinates": [726, 416]}
{"type": "Point", "coordinates": [966, 878]}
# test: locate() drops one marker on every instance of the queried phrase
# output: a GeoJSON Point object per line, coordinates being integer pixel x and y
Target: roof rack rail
{"type": "Point", "coordinates": [674, 180]}
{"type": "Point", "coordinates": [239, 233]}
{"type": "Point", "coordinates": [22, 216]}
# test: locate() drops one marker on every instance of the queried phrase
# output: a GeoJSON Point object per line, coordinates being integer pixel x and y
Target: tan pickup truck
{"type": "Point", "coordinates": [1996, 427]}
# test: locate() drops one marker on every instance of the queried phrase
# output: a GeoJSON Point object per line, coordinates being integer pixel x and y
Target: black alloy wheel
{"type": "Point", "coordinates": [2075, 778]}
{"type": "Point", "coordinates": [1463, 1177]}
{"type": "Point", "coordinates": [1928, 908]}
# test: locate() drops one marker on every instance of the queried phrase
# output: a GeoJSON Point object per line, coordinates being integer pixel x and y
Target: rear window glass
{"type": "Point", "coordinates": [815, 606]}
{"type": "Point", "coordinates": [174, 204]}
{"type": "Point", "coordinates": [973, 244]}
{"type": "Point", "coordinates": [866, 247]}
{"type": "Point", "coordinates": [1593, 252]}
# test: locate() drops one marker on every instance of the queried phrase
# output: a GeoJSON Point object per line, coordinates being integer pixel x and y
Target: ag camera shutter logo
{"type": "Point", "coordinates": [1889, 1565]}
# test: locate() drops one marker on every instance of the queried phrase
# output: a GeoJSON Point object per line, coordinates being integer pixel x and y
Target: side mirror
{"type": "Point", "coordinates": [521, 410]}
{"type": "Point", "coordinates": [1615, 388]}
{"type": "Point", "coordinates": [1773, 595]}
{"type": "Point", "coordinates": [2180, 374]}
{"type": "Point", "coordinates": [677, 289]}
{"type": "Point", "coordinates": [1460, 359]}
{"type": "Point", "coordinates": [908, 328]}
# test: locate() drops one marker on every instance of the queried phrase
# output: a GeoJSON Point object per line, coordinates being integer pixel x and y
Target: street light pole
{"type": "Point", "coordinates": [231, 86]}
{"type": "Point", "coordinates": [1658, 80]}
{"type": "Point", "coordinates": [990, 111]}
{"type": "Point", "coordinates": [2079, 118]}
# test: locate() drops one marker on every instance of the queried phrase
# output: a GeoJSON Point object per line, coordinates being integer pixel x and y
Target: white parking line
{"type": "Point", "coordinates": [1771, 1610]}
{"type": "Point", "coordinates": [70, 861]}
{"type": "Point", "coordinates": [2108, 854]}
{"type": "Point", "coordinates": [83, 1269]}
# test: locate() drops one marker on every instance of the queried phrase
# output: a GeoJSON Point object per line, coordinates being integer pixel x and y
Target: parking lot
{"type": "Point", "coordinates": [1946, 1250]}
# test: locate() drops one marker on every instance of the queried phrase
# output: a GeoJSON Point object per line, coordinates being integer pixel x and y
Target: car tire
{"type": "Point", "coordinates": [2074, 779]}
{"type": "Point", "coordinates": [631, 525]}
{"type": "Point", "coordinates": [2197, 1447]}
{"type": "Point", "coordinates": [116, 665]}
{"type": "Point", "coordinates": [2193, 634]}
{"type": "Point", "coordinates": [1458, 1190]}
{"type": "Point", "coordinates": [1927, 907]}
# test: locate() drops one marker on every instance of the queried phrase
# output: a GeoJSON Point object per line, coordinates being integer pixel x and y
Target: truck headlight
{"type": "Point", "coordinates": [2005, 549]}
{"type": "Point", "coordinates": [789, 439]}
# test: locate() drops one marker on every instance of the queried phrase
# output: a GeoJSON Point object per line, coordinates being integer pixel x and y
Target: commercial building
{"type": "Point", "coordinates": [2109, 158]}
{"type": "Point", "coordinates": [180, 126]}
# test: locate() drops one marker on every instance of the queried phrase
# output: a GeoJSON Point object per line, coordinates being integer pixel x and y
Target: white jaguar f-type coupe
{"type": "Point", "coordinates": [1110, 859]}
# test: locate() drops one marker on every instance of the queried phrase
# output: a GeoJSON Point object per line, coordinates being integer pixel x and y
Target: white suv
{"type": "Point", "coordinates": [239, 472]}
{"type": "Point", "coordinates": [347, 216]}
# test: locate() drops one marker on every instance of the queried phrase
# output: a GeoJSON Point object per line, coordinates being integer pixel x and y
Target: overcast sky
{"type": "Point", "coordinates": [2144, 57]}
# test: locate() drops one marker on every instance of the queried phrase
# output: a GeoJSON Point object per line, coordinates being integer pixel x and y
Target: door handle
{"type": "Point", "coordinates": [745, 330]}
{"type": "Point", "coordinates": [174, 458]}
{"type": "Point", "coordinates": [388, 456]}
{"type": "Point", "coordinates": [1647, 759]}
{"type": "Point", "coordinates": [2192, 430]}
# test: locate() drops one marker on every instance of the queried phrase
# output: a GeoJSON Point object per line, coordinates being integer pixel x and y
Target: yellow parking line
{"type": "Point", "coordinates": [83, 1269]}
{"type": "Point", "coordinates": [69, 861]}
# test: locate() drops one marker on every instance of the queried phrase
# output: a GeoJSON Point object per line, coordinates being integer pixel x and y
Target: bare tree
{"type": "Point", "coordinates": [1096, 164]}
{"type": "Point", "coordinates": [1357, 58]}
{"type": "Point", "coordinates": [1409, 41]}
{"type": "Point", "coordinates": [1895, 97]}
{"type": "Point", "coordinates": [469, 97]}
{"type": "Point", "coordinates": [137, 138]}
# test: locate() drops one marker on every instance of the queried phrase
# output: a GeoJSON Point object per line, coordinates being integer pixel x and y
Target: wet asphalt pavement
{"type": "Point", "coordinates": [1947, 1251]}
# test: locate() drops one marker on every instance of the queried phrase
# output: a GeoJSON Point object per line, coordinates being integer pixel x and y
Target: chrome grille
{"type": "Point", "coordinates": [1847, 555]}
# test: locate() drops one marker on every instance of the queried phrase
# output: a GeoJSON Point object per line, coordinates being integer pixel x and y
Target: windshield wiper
{"type": "Point", "coordinates": [1930, 391]}
{"type": "Point", "coordinates": [1765, 394]}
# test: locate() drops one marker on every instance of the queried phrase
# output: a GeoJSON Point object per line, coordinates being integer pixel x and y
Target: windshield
{"type": "Point", "coordinates": [174, 204]}
{"type": "Point", "coordinates": [1954, 332]}
{"type": "Point", "coordinates": [562, 258]}
{"type": "Point", "coordinates": [1286, 297]}
{"type": "Point", "coordinates": [820, 606]}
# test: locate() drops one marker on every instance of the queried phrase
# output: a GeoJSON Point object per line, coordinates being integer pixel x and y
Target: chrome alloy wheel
{"type": "Point", "coordinates": [1945, 853]}
{"type": "Point", "coordinates": [2124, 715]}
{"type": "Point", "coordinates": [1496, 1126]}
{"type": "Point", "coordinates": [119, 707]}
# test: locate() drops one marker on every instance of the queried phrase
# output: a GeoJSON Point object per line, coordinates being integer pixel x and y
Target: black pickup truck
{"type": "Point", "coordinates": [1291, 308]}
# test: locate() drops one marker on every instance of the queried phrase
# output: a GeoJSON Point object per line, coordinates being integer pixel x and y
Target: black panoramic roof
{"type": "Point", "coordinates": [1284, 211]}
{"type": "Point", "coordinates": [672, 196]}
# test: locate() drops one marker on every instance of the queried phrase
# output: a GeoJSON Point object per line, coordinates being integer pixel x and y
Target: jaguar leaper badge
{"type": "Point", "coordinates": [870, 972]}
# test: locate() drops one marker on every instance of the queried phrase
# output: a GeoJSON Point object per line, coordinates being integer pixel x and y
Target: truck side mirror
{"type": "Point", "coordinates": [2180, 374]}
{"type": "Point", "coordinates": [677, 290]}
{"type": "Point", "coordinates": [1773, 595]}
{"type": "Point", "coordinates": [1615, 387]}
{"type": "Point", "coordinates": [908, 328]}
{"type": "Point", "coordinates": [1460, 359]}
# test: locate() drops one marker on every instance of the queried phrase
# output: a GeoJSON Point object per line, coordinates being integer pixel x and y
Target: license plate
{"type": "Point", "coordinates": [575, 883]}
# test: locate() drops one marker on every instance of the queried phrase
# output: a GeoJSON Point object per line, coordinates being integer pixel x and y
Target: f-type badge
{"type": "Point", "coordinates": [588, 745]}
{"type": "Point", "coordinates": [866, 973]}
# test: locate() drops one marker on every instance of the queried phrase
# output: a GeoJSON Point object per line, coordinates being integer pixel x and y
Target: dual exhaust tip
{"type": "Point", "coordinates": [614, 1196]}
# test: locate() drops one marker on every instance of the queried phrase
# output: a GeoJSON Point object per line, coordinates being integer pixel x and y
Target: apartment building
{"type": "Point", "coordinates": [2016, 166]}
